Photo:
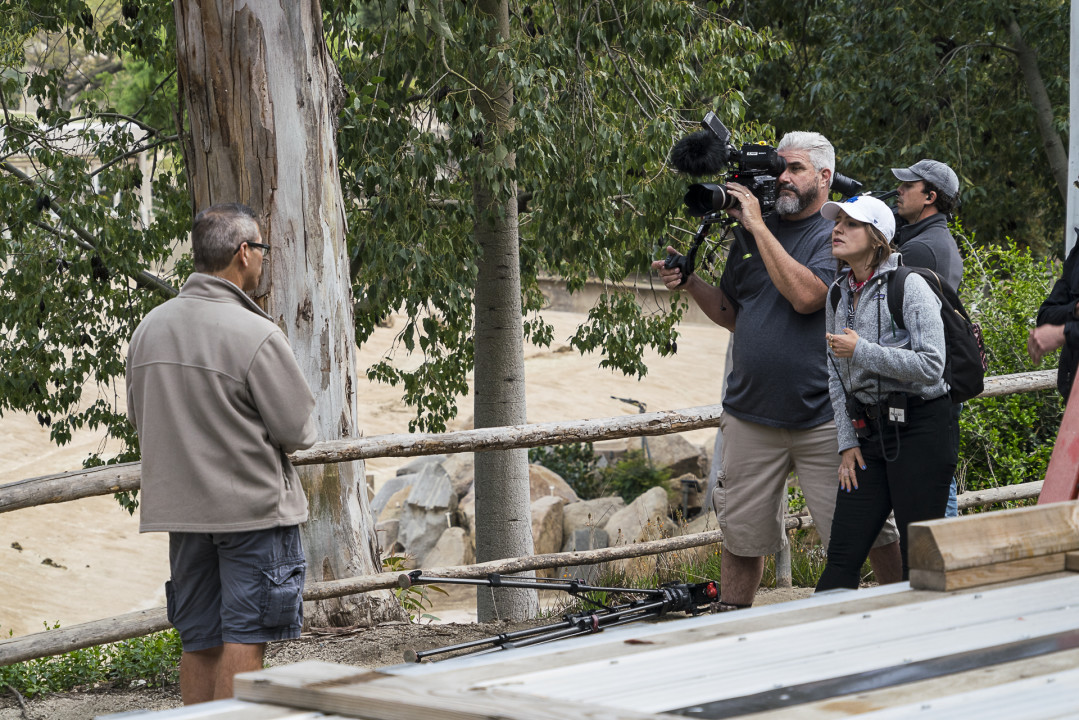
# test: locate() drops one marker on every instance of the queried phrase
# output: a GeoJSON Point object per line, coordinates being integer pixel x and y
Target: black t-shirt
{"type": "Point", "coordinates": [779, 377]}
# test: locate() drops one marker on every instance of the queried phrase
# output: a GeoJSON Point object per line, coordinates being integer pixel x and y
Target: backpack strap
{"type": "Point", "coordinates": [834, 292]}
{"type": "Point", "coordinates": [896, 283]}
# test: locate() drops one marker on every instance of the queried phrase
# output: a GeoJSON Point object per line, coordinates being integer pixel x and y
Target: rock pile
{"type": "Point", "coordinates": [427, 512]}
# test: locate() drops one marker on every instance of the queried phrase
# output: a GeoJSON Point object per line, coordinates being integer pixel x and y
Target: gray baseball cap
{"type": "Point", "coordinates": [933, 172]}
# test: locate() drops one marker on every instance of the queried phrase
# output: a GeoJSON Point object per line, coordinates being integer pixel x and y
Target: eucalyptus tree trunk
{"type": "Point", "coordinates": [261, 94]}
{"type": "Point", "coordinates": [503, 515]}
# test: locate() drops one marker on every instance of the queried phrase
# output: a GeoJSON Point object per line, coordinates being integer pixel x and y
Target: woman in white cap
{"type": "Point", "coordinates": [892, 410]}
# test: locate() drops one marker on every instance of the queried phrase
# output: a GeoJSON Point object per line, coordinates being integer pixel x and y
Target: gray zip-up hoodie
{"type": "Point", "coordinates": [218, 400]}
{"type": "Point", "coordinates": [875, 371]}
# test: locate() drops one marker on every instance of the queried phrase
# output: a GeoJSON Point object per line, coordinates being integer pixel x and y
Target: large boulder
{"type": "Point", "coordinates": [396, 502]}
{"type": "Point", "coordinates": [416, 464]}
{"type": "Point", "coordinates": [461, 467]}
{"type": "Point", "coordinates": [454, 547]}
{"type": "Point", "coordinates": [677, 454]}
{"type": "Point", "coordinates": [390, 488]}
{"type": "Point", "coordinates": [428, 511]}
{"type": "Point", "coordinates": [547, 528]}
{"type": "Point", "coordinates": [582, 539]}
{"type": "Point", "coordinates": [544, 482]}
{"type": "Point", "coordinates": [589, 514]}
{"type": "Point", "coordinates": [646, 518]}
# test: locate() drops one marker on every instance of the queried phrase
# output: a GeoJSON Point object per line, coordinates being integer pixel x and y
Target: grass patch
{"type": "Point", "coordinates": [150, 661]}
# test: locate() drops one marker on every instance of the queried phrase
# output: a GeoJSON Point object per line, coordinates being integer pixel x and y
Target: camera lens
{"type": "Point", "coordinates": [704, 198]}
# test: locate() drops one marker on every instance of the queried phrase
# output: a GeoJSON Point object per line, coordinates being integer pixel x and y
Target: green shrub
{"type": "Point", "coordinates": [576, 463]}
{"type": "Point", "coordinates": [1007, 440]}
{"type": "Point", "coordinates": [632, 476]}
{"type": "Point", "coordinates": [153, 660]}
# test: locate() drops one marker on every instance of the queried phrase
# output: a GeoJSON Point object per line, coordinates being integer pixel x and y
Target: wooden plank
{"type": "Point", "coordinates": [964, 542]}
{"type": "Point", "coordinates": [742, 665]}
{"type": "Point", "coordinates": [855, 704]}
{"type": "Point", "coordinates": [1062, 475]}
{"type": "Point", "coordinates": [943, 580]}
{"type": "Point", "coordinates": [224, 710]}
{"type": "Point", "coordinates": [357, 692]}
{"type": "Point", "coordinates": [1041, 698]}
{"type": "Point", "coordinates": [1071, 561]}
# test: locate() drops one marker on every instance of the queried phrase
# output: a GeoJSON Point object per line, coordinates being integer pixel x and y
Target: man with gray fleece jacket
{"type": "Point", "coordinates": [218, 401]}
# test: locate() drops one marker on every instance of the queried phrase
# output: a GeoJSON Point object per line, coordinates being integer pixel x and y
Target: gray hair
{"type": "Point", "coordinates": [821, 152]}
{"type": "Point", "coordinates": [218, 232]}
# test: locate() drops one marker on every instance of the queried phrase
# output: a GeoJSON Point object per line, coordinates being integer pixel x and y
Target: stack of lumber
{"type": "Point", "coordinates": [974, 550]}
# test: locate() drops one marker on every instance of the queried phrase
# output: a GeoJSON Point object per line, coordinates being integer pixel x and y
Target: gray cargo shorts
{"type": "Point", "coordinates": [236, 587]}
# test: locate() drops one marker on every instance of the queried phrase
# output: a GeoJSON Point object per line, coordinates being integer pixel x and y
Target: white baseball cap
{"type": "Point", "coordinates": [864, 208]}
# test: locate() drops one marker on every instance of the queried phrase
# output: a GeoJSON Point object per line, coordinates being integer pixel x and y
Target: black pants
{"type": "Point", "coordinates": [911, 474]}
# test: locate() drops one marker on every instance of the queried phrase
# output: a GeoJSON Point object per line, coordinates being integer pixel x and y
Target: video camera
{"type": "Point", "coordinates": [757, 166]}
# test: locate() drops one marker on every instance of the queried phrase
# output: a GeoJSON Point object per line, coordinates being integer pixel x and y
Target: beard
{"type": "Point", "coordinates": [795, 201]}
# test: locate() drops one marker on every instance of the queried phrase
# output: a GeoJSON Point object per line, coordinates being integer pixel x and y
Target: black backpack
{"type": "Point", "coordinates": [965, 361]}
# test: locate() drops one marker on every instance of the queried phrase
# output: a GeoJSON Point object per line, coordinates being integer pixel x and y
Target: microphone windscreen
{"type": "Point", "coordinates": [699, 153]}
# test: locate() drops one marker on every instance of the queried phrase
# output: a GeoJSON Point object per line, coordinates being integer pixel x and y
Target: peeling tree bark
{"type": "Point", "coordinates": [260, 91]}
{"type": "Point", "coordinates": [503, 514]}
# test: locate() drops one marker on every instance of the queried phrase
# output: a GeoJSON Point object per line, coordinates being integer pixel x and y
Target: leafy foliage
{"type": "Point", "coordinates": [415, 599]}
{"type": "Point", "coordinates": [632, 476]}
{"type": "Point", "coordinates": [598, 100]}
{"type": "Point", "coordinates": [576, 463]}
{"type": "Point", "coordinates": [891, 83]}
{"type": "Point", "coordinates": [153, 660]}
{"type": "Point", "coordinates": [1007, 439]}
{"type": "Point", "coordinates": [78, 255]}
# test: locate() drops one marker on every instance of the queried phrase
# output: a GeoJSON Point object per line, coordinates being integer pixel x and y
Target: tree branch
{"type": "Point", "coordinates": [142, 277]}
{"type": "Point", "coordinates": [135, 151]}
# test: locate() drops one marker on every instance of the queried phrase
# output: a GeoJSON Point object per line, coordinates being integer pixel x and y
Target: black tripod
{"type": "Point", "coordinates": [670, 597]}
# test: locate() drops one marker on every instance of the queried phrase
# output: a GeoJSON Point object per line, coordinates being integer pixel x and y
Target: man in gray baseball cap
{"type": "Point", "coordinates": [928, 191]}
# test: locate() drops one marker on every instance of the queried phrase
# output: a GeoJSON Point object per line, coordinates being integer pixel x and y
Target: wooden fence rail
{"type": "Point", "coordinates": [144, 622]}
{"type": "Point", "coordinates": [117, 478]}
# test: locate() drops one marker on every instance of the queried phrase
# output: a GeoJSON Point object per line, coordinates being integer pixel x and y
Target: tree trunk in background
{"type": "Point", "coordinates": [503, 514]}
{"type": "Point", "coordinates": [1043, 108]}
{"type": "Point", "coordinates": [260, 90]}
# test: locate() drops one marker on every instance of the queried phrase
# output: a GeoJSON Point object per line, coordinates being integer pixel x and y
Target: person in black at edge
{"type": "Point", "coordinates": [1058, 325]}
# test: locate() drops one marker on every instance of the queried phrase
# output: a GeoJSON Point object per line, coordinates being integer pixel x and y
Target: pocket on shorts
{"type": "Point", "coordinates": [282, 594]}
{"type": "Point", "coordinates": [170, 603]}
{"type": "Point", "coordinates": [719, 497]}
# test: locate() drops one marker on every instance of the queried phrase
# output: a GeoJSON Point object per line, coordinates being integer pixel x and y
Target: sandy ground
{"type": "Point", "coordinates": [85, 560]}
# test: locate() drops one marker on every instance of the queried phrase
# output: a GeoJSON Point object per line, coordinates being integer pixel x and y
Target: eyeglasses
{"type": "Point", "coordinates": [261, 246]}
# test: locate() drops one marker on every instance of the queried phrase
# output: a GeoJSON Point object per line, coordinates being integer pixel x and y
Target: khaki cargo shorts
{"type": "Point", "coordinates": [751, 487]}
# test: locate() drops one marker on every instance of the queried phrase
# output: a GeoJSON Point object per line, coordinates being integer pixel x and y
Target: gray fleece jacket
{"type": "Point", "coordinates": [875, 371]}
{"type": "Point", "coordinates": [218, 400]}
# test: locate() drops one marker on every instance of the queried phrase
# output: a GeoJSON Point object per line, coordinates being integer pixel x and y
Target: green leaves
{"type": "Point", "coordinates": [890, 84]}
{"type": "Point", "coordinates": [597, 103]}
{"type": "Point", "coordinates": [76, 245]}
